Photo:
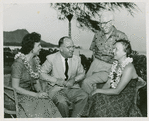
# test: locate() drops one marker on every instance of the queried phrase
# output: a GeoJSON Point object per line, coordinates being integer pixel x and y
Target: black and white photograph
{"type": "Point", "coordinates": [74, 59]}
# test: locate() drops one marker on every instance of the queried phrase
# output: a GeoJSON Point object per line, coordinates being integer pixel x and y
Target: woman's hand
{"type": "Point", "coordinates": [94, 92]}
{"type": "Point", "coordinates": [37, 86]}
{"type": "Point", "coordinates": [42, 95]}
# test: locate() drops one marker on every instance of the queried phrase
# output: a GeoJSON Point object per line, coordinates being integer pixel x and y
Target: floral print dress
{"type": "Point", "coordinates": [102, 105]}
{"type": "Point", "coordinates": [31, 107]}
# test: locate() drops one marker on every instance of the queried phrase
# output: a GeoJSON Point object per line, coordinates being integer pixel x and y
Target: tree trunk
{"type": "Point", "coordinates": [69, 32]}
{"type": "Point", "coordinates": [69, 17]}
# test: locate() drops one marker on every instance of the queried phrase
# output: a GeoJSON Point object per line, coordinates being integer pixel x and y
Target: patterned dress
{"type": "Point", "coordinates": [29, 106]}
{"type": "Point", "coordinates": [101, 105]}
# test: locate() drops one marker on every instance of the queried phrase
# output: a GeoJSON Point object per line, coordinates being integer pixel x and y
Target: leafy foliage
{"type": "Point", "coordinates": [84, 12]}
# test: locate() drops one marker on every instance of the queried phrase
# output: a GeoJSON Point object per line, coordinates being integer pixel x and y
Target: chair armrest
{"type": "Point", "coordinates": [141, 83]}
{"type": "Point", "coordinates": [15, 97]}
{"type": "Point", "coordinates": [9, 112]}
{"type": "Point", "coordinates": [9, 88]}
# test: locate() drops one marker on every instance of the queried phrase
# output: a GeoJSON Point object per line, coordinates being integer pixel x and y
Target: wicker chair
{"type": "Point", "coordinates": [141, 83]}
{"type": "Point", "coordinates": [10, 101]}
{"type": "Point", "coordinates": [134, 110]}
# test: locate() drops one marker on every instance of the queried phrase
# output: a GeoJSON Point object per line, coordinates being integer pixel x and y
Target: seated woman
{"type": "Point", "coordinates": [25, 75]}
{"type": "Point", "coordinates": [115, 98]}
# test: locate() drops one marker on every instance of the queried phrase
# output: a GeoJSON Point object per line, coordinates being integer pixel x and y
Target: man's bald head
{"type": "Point", "coordinates": [106, 21]}
{"type": "Point", "coordinates": [106, 15]}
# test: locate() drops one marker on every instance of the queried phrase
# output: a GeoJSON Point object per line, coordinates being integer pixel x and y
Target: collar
{"type": "Point", "coordinates": [114, 31]}
{"type": "Point", "coordinates": [63, 59]}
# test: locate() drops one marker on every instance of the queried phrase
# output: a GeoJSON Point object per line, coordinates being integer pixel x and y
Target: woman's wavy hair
{"type": "Point", "coordinates": [126, 45]}
{"type": "Point", "coordinates": [29, 41]}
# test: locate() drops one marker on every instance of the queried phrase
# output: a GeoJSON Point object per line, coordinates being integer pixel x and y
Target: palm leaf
{"type": "Point", "coordinates": [83, 12]}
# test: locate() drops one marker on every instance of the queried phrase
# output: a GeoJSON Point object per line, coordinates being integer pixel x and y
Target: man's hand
{"type": "Point", "coordinates": [97, 55]}
{"type": "Point", "coordinates": [70, 83]}
{"type": "Point", "coordinates": [60, 82]}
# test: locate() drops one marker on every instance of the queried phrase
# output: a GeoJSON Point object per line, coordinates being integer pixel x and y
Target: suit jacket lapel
{"type": "Point", "coordinates": [70, 68]}
{"type": "Point", "coordinates": [59, 65]}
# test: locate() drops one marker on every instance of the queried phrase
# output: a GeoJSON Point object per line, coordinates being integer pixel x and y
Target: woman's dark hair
{"type": "Point", "coordinates": [126, 45]}
{"type": "Point", "coordinates": [61, 41]}
{"type": "Point", "coordinates": [29, 41]}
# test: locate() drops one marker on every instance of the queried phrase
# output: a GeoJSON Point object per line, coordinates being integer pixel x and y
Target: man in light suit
{"type": "Point", "coordinates": [64, 77]}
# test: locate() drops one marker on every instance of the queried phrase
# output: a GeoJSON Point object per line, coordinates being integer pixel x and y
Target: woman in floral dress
{"type": "Point", "coordinates": [25, 76]}
{"type": "Point", "coordinates": [115, 98]}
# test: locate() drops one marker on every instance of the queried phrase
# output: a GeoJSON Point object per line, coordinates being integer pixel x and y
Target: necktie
{"type": "Point", "coordinates": [66, 68]}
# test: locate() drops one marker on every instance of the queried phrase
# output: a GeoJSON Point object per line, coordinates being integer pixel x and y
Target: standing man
{"type": "Point", "coordinates": [102, 47]}
{"type": "Point", "coordinates": [65, 72]}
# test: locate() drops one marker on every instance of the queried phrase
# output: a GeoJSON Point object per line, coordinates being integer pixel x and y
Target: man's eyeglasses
{"type": "Point", "coordinates": [103, 23]}
{"type": "Point", "coordinates": [70, 47]}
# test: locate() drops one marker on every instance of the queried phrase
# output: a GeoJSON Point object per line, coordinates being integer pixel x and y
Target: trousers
{"type": "Point", "coordinates": [76, 98]}
{"type": "Point", "coordinates": [97, 73]}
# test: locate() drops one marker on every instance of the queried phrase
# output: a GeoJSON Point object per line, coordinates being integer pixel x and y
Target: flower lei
{"type": "Point", "coordinates": [33, 74]}
{"type": "Point", "coordinates": [115, 75]}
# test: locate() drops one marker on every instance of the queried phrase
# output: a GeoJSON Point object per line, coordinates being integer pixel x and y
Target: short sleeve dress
{"type": "Point", "coordinates": [29, 106]}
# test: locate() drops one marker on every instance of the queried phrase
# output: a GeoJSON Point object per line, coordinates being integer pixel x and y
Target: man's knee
{"type": "Point", "coordinates": [62, 105]}
{"type": "Point", "coordinates": [84, 95]}
{"type": "Point", "coordinates": [86, 81]}
{"type": "Point", "coordinates": [62, 101]}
